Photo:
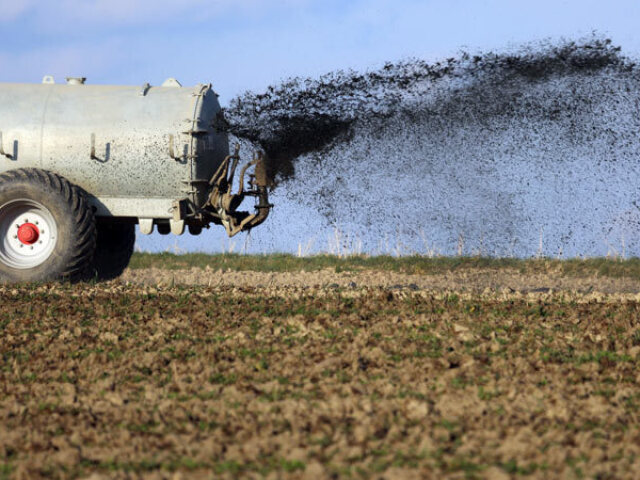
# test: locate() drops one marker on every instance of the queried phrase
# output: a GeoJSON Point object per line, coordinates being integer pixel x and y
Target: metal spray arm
{"type": "Point", "coordinates": [223, 204]}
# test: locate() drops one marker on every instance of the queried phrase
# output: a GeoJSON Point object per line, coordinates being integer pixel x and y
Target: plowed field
{"type": "Point", "coordinates": [332, 379]}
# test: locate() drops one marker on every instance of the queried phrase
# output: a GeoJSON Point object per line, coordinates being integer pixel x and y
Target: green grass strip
{"type": "Point", "coordinates": [279, 262]}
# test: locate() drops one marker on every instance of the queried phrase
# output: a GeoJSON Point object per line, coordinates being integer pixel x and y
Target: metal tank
{"type": "Point", "coordinates": [155, 156]}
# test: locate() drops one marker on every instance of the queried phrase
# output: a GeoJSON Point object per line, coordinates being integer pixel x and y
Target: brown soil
{"type": "Point", "coordinates": [467, 280]}
{"type": "Point", "coordinates": [284, 379]}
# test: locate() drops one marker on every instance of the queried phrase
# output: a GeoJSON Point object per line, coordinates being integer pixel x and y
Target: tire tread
{"type": "Point", "coordinates": [79, 264]}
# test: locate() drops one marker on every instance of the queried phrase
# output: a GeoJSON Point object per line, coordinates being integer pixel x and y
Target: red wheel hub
{"type": "Point", "coordinates": [28, 233]}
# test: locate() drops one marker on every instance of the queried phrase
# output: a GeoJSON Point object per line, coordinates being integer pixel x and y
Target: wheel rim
{"type": "Point", "coordinates": [28, 234]}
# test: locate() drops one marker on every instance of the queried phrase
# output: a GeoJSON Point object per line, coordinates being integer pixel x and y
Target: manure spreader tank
{"type": "Point", "coordinates": [81, 165]}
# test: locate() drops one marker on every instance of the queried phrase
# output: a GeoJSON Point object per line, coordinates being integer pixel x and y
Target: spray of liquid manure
{"type": "Point", "coordinates": [533, 151]}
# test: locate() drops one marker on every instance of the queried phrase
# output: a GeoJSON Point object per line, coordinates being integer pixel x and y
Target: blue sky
{"type": "Point", "coordinates": [241, 45]}
{"type": "Point", "coordinates": [249, 44]}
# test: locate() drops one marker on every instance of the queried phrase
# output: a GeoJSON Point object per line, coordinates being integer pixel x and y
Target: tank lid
{"type": "Point", "coordinates": [171, 82]}
{"type": "Point", "coordinates": [76, 80]}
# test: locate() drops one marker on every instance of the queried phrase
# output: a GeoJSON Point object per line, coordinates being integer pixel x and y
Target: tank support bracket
{"type": "Point", "coordinates": [146, 225]}
{"type": "Point", "coordinates": [2, 152]}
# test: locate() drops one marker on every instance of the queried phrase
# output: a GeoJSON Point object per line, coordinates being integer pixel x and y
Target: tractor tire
{"type": "Point", "coordinates": [47, 228]}
{"type": "Point", "coordinates": [114, 248]}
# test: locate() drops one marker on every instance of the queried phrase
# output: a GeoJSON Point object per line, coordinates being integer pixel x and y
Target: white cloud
{"type": "Point", "coordinates": [242, 44]}
{"type": "Point", "coordinates": [12, 9]}
{"type": "Point", "coordinates": [77, 14]}
{"type": "Point", "coordinates": [95, 61]}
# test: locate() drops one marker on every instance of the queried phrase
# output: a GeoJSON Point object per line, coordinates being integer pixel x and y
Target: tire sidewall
{"type": "Point", "coordinates": [62, 214]}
